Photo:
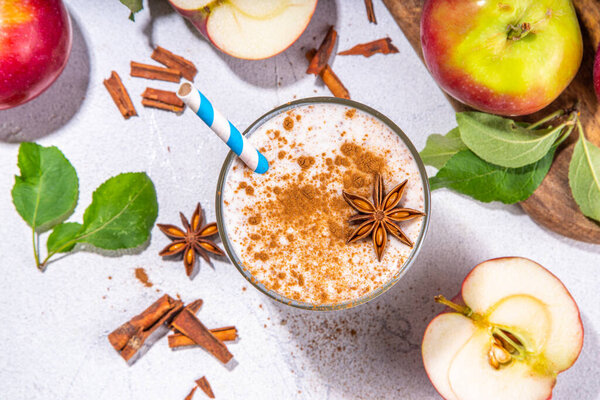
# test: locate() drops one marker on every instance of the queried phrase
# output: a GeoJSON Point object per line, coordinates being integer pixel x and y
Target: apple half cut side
{"type": "Point", "coordinates": [518, 329]}
{"type": "Point", "coordinates": [248, 29]}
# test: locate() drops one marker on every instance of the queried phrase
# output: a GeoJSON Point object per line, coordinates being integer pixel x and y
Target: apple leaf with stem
{"type": "Point", "coordinates": [439, 148]}
{"type": "Point", "coordinates": [584, 176]}
{"type": "Point", "coordinates": [47, 190]}
{"type": "Point", "coordinates": [121, 215]}
{"type": "Point", "coordinates": [134, 6]}
{"type": "Point", "coordinates": [504, 142]}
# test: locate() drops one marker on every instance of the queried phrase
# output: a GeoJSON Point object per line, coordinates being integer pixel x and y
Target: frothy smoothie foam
{"type": "Point", "coordinates": [289, 226]}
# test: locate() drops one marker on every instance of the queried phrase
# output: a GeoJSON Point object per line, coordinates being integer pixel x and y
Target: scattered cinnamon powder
{"type": "Point", "coordinates": [254, 220]}
{"type": "Point", "coordinates": [142, 276]}
{"type": "Point", "coordinates": [281, 155]}
{"type": "Point", "coordinates": [351, 113]}
{"type": "Point", "coordinates": [249, 190]}
{"type": "Point", "coordinates": [306, 162]}
{"type": "Point", "coordinates": [288, 124]}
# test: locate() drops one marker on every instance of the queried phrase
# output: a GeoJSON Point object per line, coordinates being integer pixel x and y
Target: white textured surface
{"type": "Point", "coordinates": [54, 325]}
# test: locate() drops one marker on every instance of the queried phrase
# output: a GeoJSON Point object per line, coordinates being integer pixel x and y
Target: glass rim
{"type": "Point", "coordinates": [348, 303]}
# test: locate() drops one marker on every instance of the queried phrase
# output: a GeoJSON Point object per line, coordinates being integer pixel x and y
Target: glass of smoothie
{"type": "Point", "coordinates": [287, 230]}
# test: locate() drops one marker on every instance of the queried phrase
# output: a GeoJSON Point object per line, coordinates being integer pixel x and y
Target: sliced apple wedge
{"type": "Point", "coordinates": [248, 29]}
{"type": "Point", "coordinates": [518, 328]}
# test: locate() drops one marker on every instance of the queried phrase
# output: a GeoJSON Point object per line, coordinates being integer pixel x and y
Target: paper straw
{"type": "Point", "coordinates": [220, 125]}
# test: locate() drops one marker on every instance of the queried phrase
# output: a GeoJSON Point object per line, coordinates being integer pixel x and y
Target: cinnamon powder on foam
{"type": "Point", "coordinates": [301, 215]}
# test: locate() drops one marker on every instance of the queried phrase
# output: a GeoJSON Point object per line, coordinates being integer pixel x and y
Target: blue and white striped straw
{"type": "Point", "coordinates": [220, 125]}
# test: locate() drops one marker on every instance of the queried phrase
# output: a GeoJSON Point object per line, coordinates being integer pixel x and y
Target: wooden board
{"type": "Point", "coordinates": [552, 204]}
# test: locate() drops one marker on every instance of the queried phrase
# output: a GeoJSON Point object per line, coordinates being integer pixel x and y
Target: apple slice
{"type": "Point", "coordinates": [518, 328]}
{"type": "Point", "coordinates": [248, 29]}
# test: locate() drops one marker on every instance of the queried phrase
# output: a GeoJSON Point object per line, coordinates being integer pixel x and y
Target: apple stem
{"type": "Point", "coordinates": [517, 32]}
{"type": "Point", "coordinates": [554, 115]}
{"type": "Point", "coordinates": [466, 311]}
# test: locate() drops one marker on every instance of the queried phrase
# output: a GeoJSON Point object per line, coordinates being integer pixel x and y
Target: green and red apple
{"type": "Point", "coordinates": [515, 327]}
{"type": "Point", "coordinates": [507, 57]}
{"type": "Point", "coordinates": [35, 42]}
{"type": "Point", "coordinates": [248, 29]}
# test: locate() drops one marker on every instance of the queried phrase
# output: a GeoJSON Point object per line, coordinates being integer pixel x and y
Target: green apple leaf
{"type": "Point", "coordinates": [468, 174]}
{"type": "Point", "coordinates": [503, 142]}
{"type": "Point", "coordinates": [47, 190]}
{"type": "Point", "coordinates": [440, 148]}
{"type": "Point", "coordinates": [134, 6]}
{"type": "Point", "coordinates": [63, 237]}
{"type": "Point", "coordinates": [122, 213]}
{"type": "Point", "coordinates": [584, 177]}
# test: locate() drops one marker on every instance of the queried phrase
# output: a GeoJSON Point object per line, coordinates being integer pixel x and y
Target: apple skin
{"type": "Point", "coordinates": [597, 73]}
{"type": "Point", "coordinates": [466, 49]}
{"type": "Point", "coordinates": [458, 299]}
{"type": "Point", "coordinates": [35, 42]}
{"type": "Point", "coordinates": [199, 18]}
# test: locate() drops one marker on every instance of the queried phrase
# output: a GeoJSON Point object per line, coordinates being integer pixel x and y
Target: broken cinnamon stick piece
{"type": "Point", "coordinates": [190, 395]}
{"type": "Point", "coordinates": [383, 46]}
{"type": "Point", "coordinates": [161, 105]}
{"type": "Point", "coordinates": [153, 72]}
{"type": "Point", "coordinates": [119, 94]}
{"type": "Point", "coordinates": [205, 386]}
{"type": "Point", "coordinates": [187, 323]}
{"type": "Point", "coordinates": [129, 337]}
{"type": "Point", "coordinates": [187, 68]}
{"type": "Point", "coordinates": [164, 96]}
{"type": "Point", "coordinates": [226, 334]}
{"type": "Point", "coordinates": [370, 12]}
{"type": "Point", "coordinates": [330, 79]}
{"type": "Point", "coordinates": [321, 57]}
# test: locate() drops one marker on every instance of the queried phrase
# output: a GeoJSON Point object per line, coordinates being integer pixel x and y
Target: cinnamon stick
{"type": "Point", "coordinates": [161, 105]}
{"type": "Point", "coordinates": [225, 334]}
{"type": "Point", "coordinates": [383, 46]}
{"type": "Point", "coordinates": [164, 96]}
{"type": "Point", "coordinates": [370, 12]}
{"type": "Point", "coordinates": [153, 72]}
{"type": "Point", "coordinates": [330, 79]}
{"type": "Point", "coordinates": [187, 323]}
{"type": "Point", "coordinates": [187, 68]}
{"type": "Point", "coordinates": [190, 395]}
{"type": "Point", "coordinates": [205, 386]}
{"type": "Point", "coordinates": [119, 94]}
{"type": "Point", "coordinates": [321, 57]}
{"type": "Point", "coordinates": [129, 337]}
{"type": "Point", "coordinates": [195, 305]}
{"type": "Point", "coordinates": [163, 99]}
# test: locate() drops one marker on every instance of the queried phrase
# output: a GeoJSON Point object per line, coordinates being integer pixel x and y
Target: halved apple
{"type": "Point", "coordinates": [248, 29]}
{"type": "Point", "coordinates": [518, 329]}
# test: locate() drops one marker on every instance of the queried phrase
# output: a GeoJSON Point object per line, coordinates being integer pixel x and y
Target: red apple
{"type": "Point", "coordinates": [35, 42]}
{"type": "Point", "coordinates": [514, 330]}
{"type": "Point", "coordinates": [597, 73]}
{"type": "Point", "coordinates": [507, 57]}
{"type": "Point", "coordinates": [248, 29]}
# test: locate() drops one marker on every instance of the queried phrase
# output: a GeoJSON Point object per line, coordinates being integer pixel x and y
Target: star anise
{"type": "Point", "coordinates": [378, 218]}
{"type": "Point", "coordinates": [191, 240]}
